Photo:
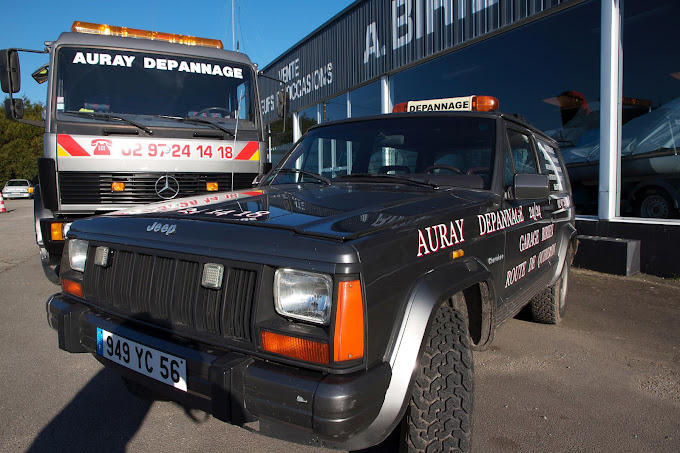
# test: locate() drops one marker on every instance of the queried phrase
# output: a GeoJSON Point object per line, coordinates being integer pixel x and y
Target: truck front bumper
{"type": "Point", "coordinates": [294, 404]}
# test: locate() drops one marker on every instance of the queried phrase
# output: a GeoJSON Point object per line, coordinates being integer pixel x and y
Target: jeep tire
{"type": "Point", "coordinates": [550, 306]}
{"type": "Point", "coordinates": [439, 414]}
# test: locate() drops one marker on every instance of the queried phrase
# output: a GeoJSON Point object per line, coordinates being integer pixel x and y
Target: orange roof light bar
{"type": "Point", "coordinates": [296, 348]}
{"type": "Point", "coordinates": [459, 104]}
{"type": "Point", "coordinates": [110, 30]}
{"type": "Point", "coordinates": [348, 341]}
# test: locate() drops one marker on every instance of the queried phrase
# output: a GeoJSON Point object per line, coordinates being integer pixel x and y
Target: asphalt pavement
{"type": "Point", "coordinates": [607, 379]}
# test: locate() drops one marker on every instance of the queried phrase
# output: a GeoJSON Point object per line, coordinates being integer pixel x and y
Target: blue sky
{"type": "Point", "coordinates": [264, 28]}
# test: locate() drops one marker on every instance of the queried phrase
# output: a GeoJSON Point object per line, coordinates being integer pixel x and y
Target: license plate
{"type": "Point", "coordinates": [150, 362]}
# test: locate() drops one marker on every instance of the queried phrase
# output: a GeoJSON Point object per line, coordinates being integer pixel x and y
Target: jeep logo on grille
{"type": "Point", "coordinates": [157, 227]}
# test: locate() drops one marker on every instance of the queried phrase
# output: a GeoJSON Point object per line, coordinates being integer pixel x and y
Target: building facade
{"type": "Point", "coordinates": [602, 77]}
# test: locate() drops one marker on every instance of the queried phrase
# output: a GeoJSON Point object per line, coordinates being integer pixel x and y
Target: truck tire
{"type": "Point", "coordinates": [550, 306]}
{"type": "Point", "coordinates": [39, 212]}
{"type": "Point", "coordinates": [439, 415]}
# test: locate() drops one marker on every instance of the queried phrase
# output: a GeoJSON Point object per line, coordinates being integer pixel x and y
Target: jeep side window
{"type": "Point", "coordinates": [551, 164]}
{"type": "Point", "coordinates": [522, 155]}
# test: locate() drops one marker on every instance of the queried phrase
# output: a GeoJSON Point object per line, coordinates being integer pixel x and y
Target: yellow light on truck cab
{"type": "Point", "coordinates": [296, 348]}
{"type": "Point", "coordinates": [117, 186]}
{"type": "Point", "coordinates": [212, 186]}
{"type": "Point", "coordinates": [348, 341]}
{"type": "Point", "coordinates": [57, 231]}
{"type": "Point", "coordinates": [110, 30]}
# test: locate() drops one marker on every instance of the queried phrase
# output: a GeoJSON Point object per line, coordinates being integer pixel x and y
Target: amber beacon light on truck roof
{"type": "Point", "coordinates": [459, 104]}
{"type": "Point", "coordinates": [110, 30]}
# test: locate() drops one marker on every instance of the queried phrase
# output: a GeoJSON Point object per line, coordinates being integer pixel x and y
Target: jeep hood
{"type": "Point", "coordinates": [340, 211]}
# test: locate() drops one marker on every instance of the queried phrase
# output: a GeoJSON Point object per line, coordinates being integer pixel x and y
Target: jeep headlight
{"type": "Point", "coordinates": [77, 254]}
{"type": "Point", "coordinates": [303, 295]}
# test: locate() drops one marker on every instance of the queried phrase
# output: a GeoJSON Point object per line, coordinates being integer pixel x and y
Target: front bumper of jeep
{"type": "Point", "coordinates": [291, 403]}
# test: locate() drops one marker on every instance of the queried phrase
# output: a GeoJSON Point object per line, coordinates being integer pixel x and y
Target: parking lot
{"type": "Point", "coordinates": [605, 380]}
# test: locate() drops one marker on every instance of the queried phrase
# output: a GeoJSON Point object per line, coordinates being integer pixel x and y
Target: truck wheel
{"type": "Point", "coordinates": [550, 306]}
{"type": "Point", "coordinates": [439, 415]}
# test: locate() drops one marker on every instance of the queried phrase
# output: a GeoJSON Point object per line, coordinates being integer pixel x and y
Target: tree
{"type": "Point", "coordinates": [21, 145]}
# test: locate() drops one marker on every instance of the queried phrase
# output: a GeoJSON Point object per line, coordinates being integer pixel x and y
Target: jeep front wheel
{"type": "Point", "coordinates": [439, 415]}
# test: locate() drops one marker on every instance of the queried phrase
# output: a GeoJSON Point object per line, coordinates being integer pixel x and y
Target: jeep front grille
{"type": "Point", "coordinates": [95, 188]}
{"type": "Point", "coordinates": [166, 291]}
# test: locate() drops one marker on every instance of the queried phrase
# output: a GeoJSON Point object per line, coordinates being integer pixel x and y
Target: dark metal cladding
{"type": "Point", "coordinates": [378, 37]}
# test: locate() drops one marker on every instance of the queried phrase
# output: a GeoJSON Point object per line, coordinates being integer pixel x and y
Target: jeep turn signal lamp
{"type": "Point", "coordinates": [460, 104]}
{"type": "Point", "coordinates": [211, 186]}
{"type": "Point", "coordinates": [348, 340]}
{"type": "Point", "coordinates": [71, 287]}
{"type": "Point", "coordinates": [102, 29]}
{"type": "Point", "coordinates": [296, 348]}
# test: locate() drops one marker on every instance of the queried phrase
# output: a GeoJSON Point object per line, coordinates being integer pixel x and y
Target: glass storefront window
{"type": "Point", "coordinates": [308, 118]}
{"type": "Point", "coordinates": [650, 132]}
{"type": "Point", "coordinates": [334, 109]}
{"type": "Point", "coordinates": [365, 101]}
{"type": "Point", "coordinates": [547, 71]}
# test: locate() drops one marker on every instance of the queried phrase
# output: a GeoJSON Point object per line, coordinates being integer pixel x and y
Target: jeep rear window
{"type": "Point", "coordinates": [451, 150]}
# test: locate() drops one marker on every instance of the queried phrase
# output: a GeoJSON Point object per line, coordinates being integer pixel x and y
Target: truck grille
{"type": "Point", "coordinates": [95, 188]}
{"type": "Point", "coordinates": [167, 291]}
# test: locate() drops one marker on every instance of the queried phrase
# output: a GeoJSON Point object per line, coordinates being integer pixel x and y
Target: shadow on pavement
{"type": "Point", "coordinates": [103, 416]}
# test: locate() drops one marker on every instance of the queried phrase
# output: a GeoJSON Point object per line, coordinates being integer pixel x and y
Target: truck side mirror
{"type": "Point", "coordinates": [531, 186]}
{"type": "Point", "coordinates": [282, 105]}
{"type": "Point", "coordinates": [14, 109]}
{"type": "Point", "coordinates": [10, 75]}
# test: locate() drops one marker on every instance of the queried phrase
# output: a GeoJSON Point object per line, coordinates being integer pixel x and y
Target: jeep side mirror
{"type": "Point", "coordinates": [10, 75]}
{"type": "Point", "coordinates": [282, 105]}
{"type": "Point", "coordinates": [531, 186]}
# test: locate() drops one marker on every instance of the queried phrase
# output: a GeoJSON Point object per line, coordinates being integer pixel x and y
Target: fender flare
{"type": "Point", "coordinates": [427, 294]}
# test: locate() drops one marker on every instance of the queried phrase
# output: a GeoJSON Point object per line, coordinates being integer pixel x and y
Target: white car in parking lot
{"type": "Point", "coordinates": [18, 188]}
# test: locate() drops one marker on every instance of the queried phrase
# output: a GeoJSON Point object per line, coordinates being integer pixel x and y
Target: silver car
{"type": "Point", "coordinates": [18, 188]}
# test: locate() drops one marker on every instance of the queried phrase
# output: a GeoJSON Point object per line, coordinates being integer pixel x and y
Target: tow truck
{"type": "Point", "coordinates": [132, 117]}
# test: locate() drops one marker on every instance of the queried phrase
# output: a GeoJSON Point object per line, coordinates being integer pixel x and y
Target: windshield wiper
{"type": "Point", "coordinates": [404, 179]}
{"type": "Point", "coordinates": [198, 121]}
{"type": "Point", "coordinates": [110, 116]}
{"type": "Point", "coordinates": [316, 176]}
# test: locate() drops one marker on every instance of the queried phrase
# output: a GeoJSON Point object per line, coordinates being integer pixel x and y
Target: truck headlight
{"type": "Point", "coordinates": [77, 254]}
{"type": "Point", "coordinates": [303, 295]}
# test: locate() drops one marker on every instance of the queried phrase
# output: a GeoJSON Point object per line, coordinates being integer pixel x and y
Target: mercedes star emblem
{"type": "Point", "coordinates": [167, 187]}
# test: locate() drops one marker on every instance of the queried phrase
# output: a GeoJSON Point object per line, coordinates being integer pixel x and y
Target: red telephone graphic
{"type": "Point", "coordinates": [101, 146]}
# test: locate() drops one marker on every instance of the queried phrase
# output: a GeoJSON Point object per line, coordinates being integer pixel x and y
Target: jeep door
{"type": "Point", "coordinates": [527, 250]}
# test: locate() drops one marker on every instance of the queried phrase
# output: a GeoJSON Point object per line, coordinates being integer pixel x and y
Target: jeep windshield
{"type": "Point", "coordinates": [430, 151]}
{"type": "Point", "coordinates": [153, 89]}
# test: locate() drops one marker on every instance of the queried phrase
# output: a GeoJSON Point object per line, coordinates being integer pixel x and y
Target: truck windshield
{"type": "Point", "coordinates": [432, 151]}
{"type": "Point", "coordinates": [146, 86]}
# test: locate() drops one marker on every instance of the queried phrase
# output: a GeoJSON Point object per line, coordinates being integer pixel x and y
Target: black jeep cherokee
{"type": "Point", "coordinates": [339, 301]}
